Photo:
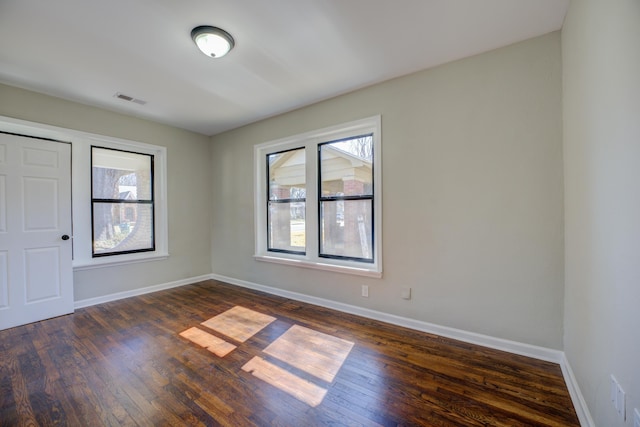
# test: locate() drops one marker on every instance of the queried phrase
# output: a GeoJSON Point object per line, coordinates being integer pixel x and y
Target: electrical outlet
{"type": "Point", "coordinates": [365, 290]}
{"type": "Point", "coordinates": [636, 418]}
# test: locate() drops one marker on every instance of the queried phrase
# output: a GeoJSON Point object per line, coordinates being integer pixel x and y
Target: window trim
{"type": "Point", "coordinates": [311, 141]}
{"type": "Point", "coordinates": [83, 230]}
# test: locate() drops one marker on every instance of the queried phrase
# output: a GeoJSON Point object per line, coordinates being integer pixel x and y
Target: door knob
{"type": "Point", "coordinates": [65, 237]}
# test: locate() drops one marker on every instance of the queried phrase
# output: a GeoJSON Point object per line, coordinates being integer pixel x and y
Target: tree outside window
{"type": "Point", "coordinates": [122, 202]}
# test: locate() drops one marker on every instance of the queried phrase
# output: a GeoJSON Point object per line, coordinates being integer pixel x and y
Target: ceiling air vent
{"type": "Point", "coordinates": [129, 98]}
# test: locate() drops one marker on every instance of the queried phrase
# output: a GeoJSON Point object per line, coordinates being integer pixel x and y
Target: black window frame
{"type": "Point", "coordinates": [150, 202]}
{"type": "Point", "coordinates": [370, 197]}
{"type": "Point", "coordinates": [278, 201]}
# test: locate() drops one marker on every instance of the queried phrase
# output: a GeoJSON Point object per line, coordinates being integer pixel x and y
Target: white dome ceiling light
{"type": "Point", "coordinates": [212, 41]}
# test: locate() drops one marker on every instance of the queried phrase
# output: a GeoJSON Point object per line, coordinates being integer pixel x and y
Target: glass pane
{"type": "Point", "coordinates": [121, 175]}
{"type": "Point", "coordinates": [287, 226]}
{"type": "Point", "coordinates": [287, 175]}
{"type": "Point", "coordinates": [119, 227]}
{"type": "Point", "coordinates": [346, 228]}
{"type": "Point", "coordinates": [346, 167]}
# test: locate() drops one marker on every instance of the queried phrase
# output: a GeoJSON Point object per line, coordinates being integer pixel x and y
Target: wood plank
{"type": "Point", "coordinates": [127, 362]}
{"type": "Point", "coordinates": [286, 381]}
{"type": "Point", "coordinates": [239, 323]}
{"type": "Point", "coordinates": [215, 345]}
{"type": "Point", "coordinates": [316, 353]}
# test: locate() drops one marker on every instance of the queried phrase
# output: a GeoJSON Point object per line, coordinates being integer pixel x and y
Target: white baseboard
{"type": "Point", "coordinates": [126, 294]}
{"type": "Point", "coordinates": [579, 404]}
{"type": "Point", "coordinates": [536, 352]}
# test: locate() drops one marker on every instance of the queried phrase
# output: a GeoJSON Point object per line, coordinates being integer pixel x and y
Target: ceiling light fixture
{"type": "Point", "coordinates": [212, 41]}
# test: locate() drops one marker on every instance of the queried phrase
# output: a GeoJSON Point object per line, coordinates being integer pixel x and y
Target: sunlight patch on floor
{"type": "Point", "coordinates": [239, 323]}
{"type": "Point", "coordinates": [314, 352]}
{"type": "Point", "coordinates": [301, 389]}
{"type": "Point", "coordinates": [298, 351]}
{"type": "Point", "coordinates": [212, 343]}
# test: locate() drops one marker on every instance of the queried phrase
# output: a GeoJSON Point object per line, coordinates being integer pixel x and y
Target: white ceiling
{"type": "Point", "coordinates": [288, 53]}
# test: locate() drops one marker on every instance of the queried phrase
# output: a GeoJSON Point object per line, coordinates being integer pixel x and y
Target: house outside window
{"type": "Point", "coordinates": [286, 210]}
{"type": "Point", "coordinates": [346, 198]}
{"type": "Point", "coordinates": [318, 199]}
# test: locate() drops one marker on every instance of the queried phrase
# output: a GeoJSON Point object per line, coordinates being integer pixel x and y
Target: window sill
{"type": "Point", "coordinates": [115, 261]}
{"type": "Point", "coordinates": [320, 266]}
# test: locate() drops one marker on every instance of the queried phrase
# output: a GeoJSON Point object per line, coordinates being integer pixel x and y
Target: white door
{"type": "Point", "coordinates": [36, 277]}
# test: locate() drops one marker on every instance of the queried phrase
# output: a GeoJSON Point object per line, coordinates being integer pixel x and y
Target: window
{"type": "Point", "coordinates": [119, 201]}
{"type": "Point", "coordinates": [346, 198]}
{"type": "Point", "coordinates": [122, 202]}
{"type": "Point", "coordinates": [287, 201]}
{"type": "Point", "coordinates": [318, 199]}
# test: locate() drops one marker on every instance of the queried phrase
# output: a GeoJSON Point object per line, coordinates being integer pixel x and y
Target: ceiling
{"type": "Point", "coordinates": [288, 53]}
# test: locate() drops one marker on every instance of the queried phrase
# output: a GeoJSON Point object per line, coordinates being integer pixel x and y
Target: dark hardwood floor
{"type": "Point", "coordinates": [125, 363]}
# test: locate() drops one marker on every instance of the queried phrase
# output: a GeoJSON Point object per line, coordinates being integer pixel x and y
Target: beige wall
{"type": "Point", "coordinates": [473, 195]}
{"type": "Point", "coordinates": [601, 75]}
{"type": "Point", "coordinates": [188, 186]}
